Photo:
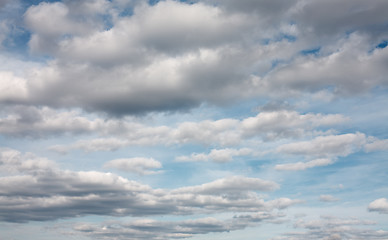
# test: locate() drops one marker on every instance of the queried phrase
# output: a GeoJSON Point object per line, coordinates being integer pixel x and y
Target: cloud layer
{"type": "Point", "coordinates": [36, 190]}
{"type": "Point", "coordinates": [125, 64]}
{"type": "Point", "coordinates": [176, 119]}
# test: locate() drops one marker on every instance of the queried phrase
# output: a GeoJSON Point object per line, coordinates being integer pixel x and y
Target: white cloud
{"type": "Point", "coordinates": [12, 87]}
{"type": "Point", "coordinates": [137, 165]}
{"type": "Point", "coordinates": [12, 161]}
{"type": "Point", "coordinates": [223, 132]}
{"type": "Point", "coordinates": [326, 146]}
{"type": "Point", "coordinates": [236, 184]}
{"type": "Point", "coordinates": [283, 123]}
{"type": "Point", "coordinates": [376, 145]}
{"type": "Point", "coordinates": [216, 155]}
{"type": "Point", "coordinates": [304, 165]}
{"type": "Point", "coordinates": [379, 205]}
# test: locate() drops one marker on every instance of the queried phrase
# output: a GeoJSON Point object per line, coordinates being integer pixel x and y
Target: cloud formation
{"type": "Point", "coordinates": [137, 165]}
{"type": "Point", "coordinates": [379, 205]}
{"type": "Point", "coordinates": [267, 88]}
{"type": "Point", "coordinates": [333, 228]}
{"type": "Point", "coordinates": [152, 229]}
{"type": "Point", "coordinates": [134, 67]}
{"type": "Point", "coordinates": [37, 191]}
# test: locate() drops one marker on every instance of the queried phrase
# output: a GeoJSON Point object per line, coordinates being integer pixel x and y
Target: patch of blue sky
{"type": "Point", "coordinates": [382, 44]}
{"type": "Point", "coordinates": [278, 38]}
{"type": "Point", "coordinates": [312, 51]}
{"type": "Point", "coordinates": [17, 41]}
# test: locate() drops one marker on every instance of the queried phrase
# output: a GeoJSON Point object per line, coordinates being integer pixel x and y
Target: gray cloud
{"type": "Point", "coordinates": [152, 229]}
{"type": "Point", "coordinates": [39, 191]}
{"type": "Point", "coordinates": [152, 61]}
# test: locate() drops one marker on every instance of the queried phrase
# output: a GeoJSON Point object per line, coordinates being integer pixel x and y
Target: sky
{"type": "Point", "coordinates": [202, 119]}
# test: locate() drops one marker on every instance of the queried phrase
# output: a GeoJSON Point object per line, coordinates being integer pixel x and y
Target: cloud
{"type": "Point", "coordinates": [285, 123]}
{"type": "Point", "coordinates": [376, 145]}
{"type": "Point", "coordinates": [137, 165]}
{"type": "Point", "coordinates": [319, 17]}
{"type": "Point", "coordinates": [11, 86]}
{"type": "Point", "coordinates": [153, 229]}
{"type": "Point", "coordinates": [223, 132]}
{"type": "Point", "coordinates": [216, 155]}
{"type": "Point", "coordinates": [151, 61]}
{"type": "Point", "coordinates": [36, 190]}
{"type": "Point", "coordinates": [345, 70]}
{"type": "Point", "coordinates": [328, 198]}
{"type": "Point", "coordinates": [231, 185]}
{"type": "Point", "coordinates": [12, 161]}
{"type": "Point", "coordinates": [326, 146]}
{"type": "Point", "coordinates": [327, 149]}
{"type": "Point", "coordinates": [379, 205]}
{"type": "Point", "coordinates": [304, 165]}
{"type": "Point", "coordinates": [35, 122]}
{"type": "Point", "coordinates": [332, 228]}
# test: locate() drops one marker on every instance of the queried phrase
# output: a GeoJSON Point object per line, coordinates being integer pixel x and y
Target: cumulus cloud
{"type": "Point", "coordinates": [137, 165]}
{"type": "Point", "coordinates": [36, 190]}
{"type": "Point", "coordinates": [327, 149]}
{"type": "Point", "coordinates": [41, 122]}
{"type": "Point", "coordinates": [326, 146]}
{"type": "Point", "coordinates": [379, 205]}
{"type": "Point", "coordinates": [152, 61]}
{"type": "Point", "coordinates": [35, 122]}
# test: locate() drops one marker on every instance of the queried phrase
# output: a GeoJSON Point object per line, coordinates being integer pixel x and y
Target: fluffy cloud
{"type": "Point", "coordinates": [326, 146]}
{"type": "Point", "coordinates": [38, 191]}
{"type": "Point", "coordinates": [379, 205]}
{"type": "Point", "coordinates": [11, 86]}
{"type": "Point", "coordinates": [376, 145]}
{"type": "Point", "coordinates": [107, 61]}
{"type": "Point", "coordinates": [326, 149]}
{"type": "Point", "coordinates": [222, 132]}
{"type": "Point", "coordinates": [344, 70]}
{"type": "Point", "coordinates": [137, 165]}
{"type": "Point", "coordinates": [43, 122]}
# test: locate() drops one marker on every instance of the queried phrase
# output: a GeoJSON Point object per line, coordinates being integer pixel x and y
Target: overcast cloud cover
{"type": "Point", "coordinates": [203, 119]}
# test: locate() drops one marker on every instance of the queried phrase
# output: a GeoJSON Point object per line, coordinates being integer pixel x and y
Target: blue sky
{"type": "Point", "coordinates": [131, 119]}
